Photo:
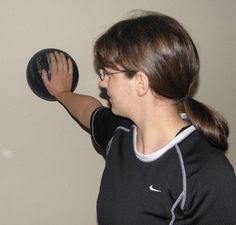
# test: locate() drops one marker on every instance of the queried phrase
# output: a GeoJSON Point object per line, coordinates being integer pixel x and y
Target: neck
{"type": "Point", "coordinates": [157, 126]}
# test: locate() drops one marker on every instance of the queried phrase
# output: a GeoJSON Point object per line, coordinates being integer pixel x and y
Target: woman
{"type": "Point", "coordinates": [160, 168]}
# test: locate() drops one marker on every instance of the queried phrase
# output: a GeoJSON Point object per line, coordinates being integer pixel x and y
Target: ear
{"type": "Point", "coordinates": [142, 83]}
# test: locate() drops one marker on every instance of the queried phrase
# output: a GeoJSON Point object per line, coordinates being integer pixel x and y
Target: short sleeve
{"type": "Point", "coordinates": [104, 124]}
{"type": "Point", "coordinates": [212, 196]}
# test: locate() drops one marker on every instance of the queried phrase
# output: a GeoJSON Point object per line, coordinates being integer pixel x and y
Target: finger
{"type": "Point", "coordinates": [70, 64]}
{"type": "Point", "coordinates": [53, 63]}
{"type": "Point", "coordinates": [59, 61]}
{"type": "Point", "coordinates": [64, 62]}
{"type": "Point", "coordinates": [44, 76]}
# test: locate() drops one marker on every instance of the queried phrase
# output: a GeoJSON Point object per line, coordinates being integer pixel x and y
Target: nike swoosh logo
{"type": "Point", "coordinates": [151, 188]}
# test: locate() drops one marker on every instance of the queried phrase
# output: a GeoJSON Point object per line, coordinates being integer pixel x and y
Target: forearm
{"type": "Point", "coordinates": [80, 106]}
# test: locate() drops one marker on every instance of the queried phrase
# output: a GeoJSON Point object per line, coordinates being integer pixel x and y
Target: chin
{"type": "Point", "coordinates": [117, 113]}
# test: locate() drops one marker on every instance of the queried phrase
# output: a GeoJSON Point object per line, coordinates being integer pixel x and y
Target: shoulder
{"type": "Point", "coordinates": [211, 181]}
{"type": "Point", "coordinates": [105, 116]}
{"type": "Point", "coordinates": [203, 160]}
{"type": "Point", "coordinates": [104, 124]}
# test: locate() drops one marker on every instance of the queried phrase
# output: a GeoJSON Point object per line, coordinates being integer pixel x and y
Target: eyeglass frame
{"type": "Point", "coordinates": [103, 73]}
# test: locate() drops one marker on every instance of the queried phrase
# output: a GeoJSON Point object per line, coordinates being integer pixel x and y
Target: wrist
{"type": "Point", "coordinates": [60, 95]}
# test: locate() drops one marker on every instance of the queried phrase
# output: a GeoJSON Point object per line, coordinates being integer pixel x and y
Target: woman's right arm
{"type": "Point", "coordinates": [59, 85]}
{"type": "Point", "coordinates": [80, 106]}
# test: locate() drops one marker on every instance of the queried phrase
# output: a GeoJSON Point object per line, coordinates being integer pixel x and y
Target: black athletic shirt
{"type": "Point", "coordinates": [187, 182]}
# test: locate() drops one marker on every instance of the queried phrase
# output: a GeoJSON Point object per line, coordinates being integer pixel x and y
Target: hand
{"type": "Point", "coordinates": [61, 74]}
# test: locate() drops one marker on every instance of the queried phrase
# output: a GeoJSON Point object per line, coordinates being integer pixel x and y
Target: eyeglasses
{"type": "Point", "coordinates": [103, 73]}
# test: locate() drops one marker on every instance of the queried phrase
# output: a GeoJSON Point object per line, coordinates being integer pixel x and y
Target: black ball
{"type": "Point", "coordinates": [40, 61]}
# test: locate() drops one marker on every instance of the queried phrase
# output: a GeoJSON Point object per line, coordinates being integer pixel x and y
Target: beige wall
{"type": "Point", "coordinates": [49, 171]}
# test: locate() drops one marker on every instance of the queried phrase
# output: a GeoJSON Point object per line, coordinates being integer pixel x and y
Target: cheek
{"type": "Point", "coordinates": [123, 97]}
{"type": "Point", "coordinates": [121, 90]}
{"type": "Point", "coordinates": [129, 90]}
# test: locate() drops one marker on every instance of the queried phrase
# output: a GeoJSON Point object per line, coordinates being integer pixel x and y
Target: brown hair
{"type": "Point", "coordinates": [160, 47]}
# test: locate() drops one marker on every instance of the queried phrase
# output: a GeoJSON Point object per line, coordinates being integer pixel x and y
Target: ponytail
{"type": "Point", "coordinates": [209, 122]}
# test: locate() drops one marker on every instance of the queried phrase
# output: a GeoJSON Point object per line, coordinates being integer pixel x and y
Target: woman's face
{"type": "Point", "coordinates": [120, 91]}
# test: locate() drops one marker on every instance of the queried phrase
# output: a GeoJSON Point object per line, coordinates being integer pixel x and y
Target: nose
{"type": "Point", "coordinates": [103, 83]}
